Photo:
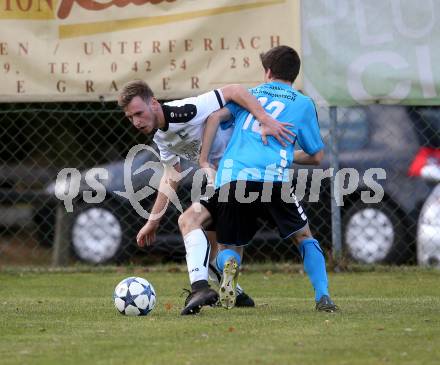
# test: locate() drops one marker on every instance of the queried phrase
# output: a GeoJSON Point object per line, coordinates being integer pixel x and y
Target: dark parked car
{"type": "Point", "coordinates": [384, 137]}
{"type": "Point", "coordinates": [369, 137]}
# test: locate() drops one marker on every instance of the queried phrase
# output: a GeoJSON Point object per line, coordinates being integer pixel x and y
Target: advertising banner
{"type": "Point", "coordinates": [77, 50]}
{"type": "Point", "coordinates": [360, 52]}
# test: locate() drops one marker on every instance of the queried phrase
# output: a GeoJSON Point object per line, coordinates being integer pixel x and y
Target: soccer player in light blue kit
{"type": "Point", "coordinates": [253, 179]}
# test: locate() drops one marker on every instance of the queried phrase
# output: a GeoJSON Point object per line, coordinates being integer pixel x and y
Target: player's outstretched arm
{"type": "Point", "coordinates": [147, 234]}
{"type": "Point", "coordinates": [211, 127]}
{"type": "Point", "coordinates": [302, 158]}
{"type": "Point", "coordinates": [244, 98]}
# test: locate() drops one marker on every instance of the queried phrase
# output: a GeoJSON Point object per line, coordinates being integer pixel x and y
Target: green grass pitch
{"type": "Point", "coordinates": [68, 317]}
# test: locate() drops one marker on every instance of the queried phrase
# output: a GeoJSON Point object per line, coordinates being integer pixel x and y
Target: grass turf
{"type": "Point", "coordinates": [67, 317]}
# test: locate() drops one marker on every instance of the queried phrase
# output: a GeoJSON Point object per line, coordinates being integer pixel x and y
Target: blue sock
{"type": "Point", "coordinates": [314, 266]}
{"type": "Point", "coordinates": [224, 255]}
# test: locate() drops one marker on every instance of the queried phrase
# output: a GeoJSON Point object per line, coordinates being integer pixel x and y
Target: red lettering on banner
{"type": "Point", "coordinates": [171, 45]}
{"type": "Point", "coordinates": [137, 47]}
{"type": "Point", "coordinates": [20, 86]}
{"type": "Point", "coordinates": [113, 86]}
{"type": "Point", "coordinates": [26, 5]}
{"type": "Point", "coordinates": [222, 44]}
{"type": "Point", "coordinates": [88, 48]}
{"type": "Point", "coordinates": [3, 49]}
{"type": "Point", "coordinates": [89, 86]}
{"type": "Point", "coordinates": [195, 82]}
{"type": "Point", "coordinates": [61, 86]}
{"type": "Point", "coordinates": [208, 44]}
{"type": "Point", "coordinates": [188, 45]}
{"type": "Point", "coordinates": [156, 47]}
{"type": "Point", "coordinates": [106, 48]}
{"type": "Point", "coordinates": [123, 44]}
{"type": "Point", "coordinates": [79, 70]}
{"type": "Point", "coordinates": [274, 41]}
{"type": "Point", "coordinates": [240, 44]}
{"type": "Point", "coordinates": [66, 5]}
{"type": "Point", "coordinates": [254, 44]}
{"type": "Point", "coordinates": [165, 83]}
{"type": "Point", "coordinates": [22, 47]}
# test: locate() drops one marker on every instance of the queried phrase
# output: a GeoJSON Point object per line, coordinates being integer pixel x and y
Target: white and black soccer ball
{"type": "Point", "coordinates": [134, 296]}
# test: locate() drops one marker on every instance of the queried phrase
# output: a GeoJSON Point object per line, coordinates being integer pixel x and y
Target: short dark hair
{"type": "Point", "coordinates": [283, 61]}
{"type": "Point", "coordinates": [132, 89]}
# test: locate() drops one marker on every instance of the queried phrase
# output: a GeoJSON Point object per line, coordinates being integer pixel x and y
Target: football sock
{"type": "Point", "coordinates": [197, 255]}
{"type": "Point", "coordinates": [224, 255]}
{"type": "Point", "coordinates": [314, 266]}
{"type": "Point", "coordinates": [214, 275]}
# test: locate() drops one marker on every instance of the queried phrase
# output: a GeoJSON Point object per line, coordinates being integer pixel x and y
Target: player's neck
{"type": "Point", "coordinates": [288, 83]}
{"type": "Point", "coordinates": [161, 118]}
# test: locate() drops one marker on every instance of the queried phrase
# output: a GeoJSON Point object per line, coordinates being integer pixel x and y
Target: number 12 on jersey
{"type": "Point", "coordinates": [274, 108]}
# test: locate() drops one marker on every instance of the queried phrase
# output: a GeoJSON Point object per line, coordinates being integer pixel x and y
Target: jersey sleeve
{"type": "Point", "coordinates": [309, 136]}
{"type": "Point", "coordinates": [208, 103]}
{"type": "Point", "coordinates": [204, 105]}
{"type": "Point", "coordinates": [233, 108]}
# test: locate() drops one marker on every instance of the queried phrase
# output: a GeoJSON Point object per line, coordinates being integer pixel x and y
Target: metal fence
{"type": "Point", "coordinates": [382, 160]}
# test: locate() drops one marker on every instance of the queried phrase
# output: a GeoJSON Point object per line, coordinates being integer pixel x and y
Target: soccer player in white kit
{"type": "Point", "coordinates": [178, 128]}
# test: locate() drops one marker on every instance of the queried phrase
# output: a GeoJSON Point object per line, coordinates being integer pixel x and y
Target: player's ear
{"type": "Point", "coordinates": [268, 75]}
{"type": "Point", "coordinates": [155, 105]}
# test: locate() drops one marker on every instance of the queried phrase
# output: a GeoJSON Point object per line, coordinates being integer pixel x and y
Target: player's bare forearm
{"type": "Point", "coordinates": [303, 158]}
{"type": "Point", "coordinates": [167, 186]}
{"type": "Point", "coordinates": [211, 127]}
{"type": "Point", "coordinates": [168, 181]}
{"type": "Point", "coordinates": [245, 99]}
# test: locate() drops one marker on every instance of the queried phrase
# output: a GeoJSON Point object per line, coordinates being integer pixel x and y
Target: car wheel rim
{"type": "Point", "coordinates": [369, 235]}
{"type": "Point", "coordinates": [428, 241]}
{"type": "Point", "coordinates": [96, 235]}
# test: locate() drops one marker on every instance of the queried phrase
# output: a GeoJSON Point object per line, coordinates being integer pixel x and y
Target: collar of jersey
{"type": "Point", "coordinates": [280, 84]}
{"type": "Point", "coordinates": [167, 116]}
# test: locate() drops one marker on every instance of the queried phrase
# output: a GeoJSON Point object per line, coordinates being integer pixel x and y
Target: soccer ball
{"type": "Point", "coordinates": [134, 296]}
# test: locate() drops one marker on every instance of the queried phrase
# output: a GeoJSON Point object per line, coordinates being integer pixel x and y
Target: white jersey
{"type": "Point", "coordinates": [185, 122]}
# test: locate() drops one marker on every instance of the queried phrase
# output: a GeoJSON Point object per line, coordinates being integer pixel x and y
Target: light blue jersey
{"type": "Point", "coordinates": [247, 158]}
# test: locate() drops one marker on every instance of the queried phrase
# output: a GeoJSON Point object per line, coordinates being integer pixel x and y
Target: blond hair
{"type": "Point", "coordinates": [132, 89]}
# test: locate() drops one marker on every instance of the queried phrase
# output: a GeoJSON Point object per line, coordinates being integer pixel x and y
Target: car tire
{"type": "Point", "coordinates": [99, 235]}
{"type": "Point", "coordinates": [428, 228]}
{"type": "Point", "coordinates": [373, 233]}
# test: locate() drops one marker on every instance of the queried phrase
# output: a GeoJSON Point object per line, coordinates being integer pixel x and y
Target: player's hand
{"type": "Point", "coordinates": [210, 171]}
{"type": "Point", "coordinates": [147, 234]}
{"type": "Point", "coordinates": [279, 130]}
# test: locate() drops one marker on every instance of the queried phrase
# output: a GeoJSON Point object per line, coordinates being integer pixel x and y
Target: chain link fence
{"type": "Point", "coordinates": [387, 160]}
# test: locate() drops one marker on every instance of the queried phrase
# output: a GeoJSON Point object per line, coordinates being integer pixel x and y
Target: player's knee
{"type": "Point", "coordinates": [192, 218]}
{"type": "Point", "coordinates": [300, 236]}
{"type": "Point", "coordinates": [188, 220]}
{"type": "Point", "coordinates": [183, 221]}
